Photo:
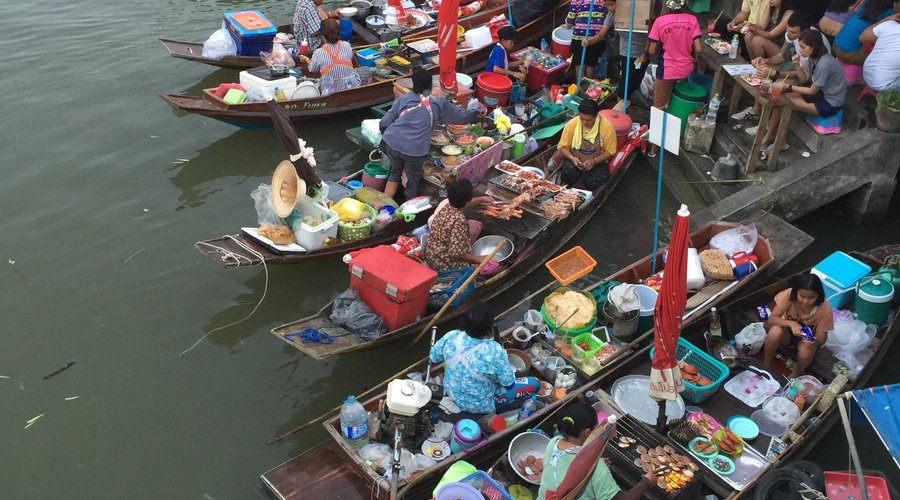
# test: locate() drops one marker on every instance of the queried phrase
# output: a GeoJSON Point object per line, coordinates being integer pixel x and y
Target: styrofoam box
{"type": "Point", "coordinates": [252, 82]}
{"type": "Point", "coordinates": [313, 237]}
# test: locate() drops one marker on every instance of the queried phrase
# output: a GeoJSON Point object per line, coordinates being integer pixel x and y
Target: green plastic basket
{"type": "Point", "coordinates": [708, 367]}
{"type": "Point", "coordinates": [589, 338]}
{"type": "Point", "coordinates": [348, 232]}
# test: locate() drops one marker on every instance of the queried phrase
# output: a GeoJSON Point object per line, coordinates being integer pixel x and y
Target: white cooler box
{"type": "Point", "coordinates": [313, 237]}
{"type": "Point", "coordinates": [251, 82]}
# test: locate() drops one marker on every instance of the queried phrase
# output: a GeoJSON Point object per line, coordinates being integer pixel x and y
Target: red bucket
{"type": "Point", "coordinates": [493, 85]}
{"type": "Point", "coordinates": [621, 122]}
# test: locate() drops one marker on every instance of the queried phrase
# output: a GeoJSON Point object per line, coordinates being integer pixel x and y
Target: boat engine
{"type": "Point", "coordinates": [409, 408]}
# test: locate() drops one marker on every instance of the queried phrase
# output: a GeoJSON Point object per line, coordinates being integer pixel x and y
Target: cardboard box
{"type": "Point", "coordinates": [642, 10]}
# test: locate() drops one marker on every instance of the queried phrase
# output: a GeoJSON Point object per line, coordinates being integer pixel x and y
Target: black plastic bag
{"type": "Point", "coordinates": [351, 313]}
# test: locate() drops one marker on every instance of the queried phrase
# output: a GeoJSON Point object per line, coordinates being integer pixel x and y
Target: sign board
{"type": "Point", "coordinates": [673, 130]}
{"type": "Point", "coordinates": [641, 15]}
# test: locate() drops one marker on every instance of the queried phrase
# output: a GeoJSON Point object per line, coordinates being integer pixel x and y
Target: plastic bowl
{"type": "Point", "coordinates": [520, 361]}
{"type": "Point", "coordinates": [347, 12]}
{"type": "Point", "coordinates": [727, 460]}
{"type": "Point", "coordinates": [744, 427]}
{"type": "Point", "coordinates": [464, 80]}
{"type": "Point", "coordinates": [527, 443]}
{"type": "Point", "coordinates": [695, 452]}
{"type": "Point", "coordinates": [486, 244]}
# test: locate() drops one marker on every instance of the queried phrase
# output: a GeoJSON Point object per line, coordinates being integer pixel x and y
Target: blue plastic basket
{"type": "Point", "coordinates": [455, 277]}
{"type": "Point", "coordinates": [708, 367]}
{"type": "Point", "coordinates": [486, 485]}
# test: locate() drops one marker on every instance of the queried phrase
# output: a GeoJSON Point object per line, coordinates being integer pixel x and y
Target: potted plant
{"type": "Point", "coordinates": [887, 111]}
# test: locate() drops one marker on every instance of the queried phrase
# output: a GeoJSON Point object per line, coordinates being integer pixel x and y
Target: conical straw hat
{"type": "Point", "coordinates": [287, 189]}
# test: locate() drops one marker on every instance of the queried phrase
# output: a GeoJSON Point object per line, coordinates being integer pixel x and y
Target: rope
{"type": "Point", "coordinates": [313, 336]}
{"type": "Point", "coordinates": [226, 255]}
{"type": "Point", "coordinates": [245, 318]}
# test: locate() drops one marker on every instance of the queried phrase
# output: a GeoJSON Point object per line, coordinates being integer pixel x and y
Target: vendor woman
{"type": "Point", "coordinates": [801, 305]}
{"type": "Point", "coordinates": [476, 367]}
{"type": "Point", "coordinates": [450, 235]}
{"type": "Point", "coordinates": [333, 60]}
{"type": "Point", "coordinates": [587, 144]}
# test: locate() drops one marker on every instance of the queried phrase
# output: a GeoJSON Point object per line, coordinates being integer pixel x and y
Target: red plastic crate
{"type": "Point", "coordinates": [537, 76]}
{"type": "Point", "coordinates": [843, 485]}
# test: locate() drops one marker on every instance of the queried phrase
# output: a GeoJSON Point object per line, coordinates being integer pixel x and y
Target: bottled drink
{"type": "Point", "coordinates": [279, 95]}
{"type": "Point", "coordinates": [715, 325]}
{"type": "Point", "coordinates": [735, 42]}
{"type": "Point", "coordinates": [354, 423]}
{"type": "Point", "coordinates": [545, 47]}
{"type": "Point", "coordinates": [529, 408]}
{"type": "Point", "coordinates": [304, 47]}
{"type": "Point", "coordinates": [713, 109]}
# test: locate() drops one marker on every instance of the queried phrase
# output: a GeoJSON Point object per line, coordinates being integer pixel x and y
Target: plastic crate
{"type": "Point", "coordinates": [348, 232]}
{"type": "Point", "coordinates": [708, 367]}
{"type": "Point", "coordinates": [486, 485]}
{"type": "Point", "coordinates": [589, 338]}
{"type": "Point", "coordinates": [455, 278]}
{"type": "Point", "coordinates": [571, 265]}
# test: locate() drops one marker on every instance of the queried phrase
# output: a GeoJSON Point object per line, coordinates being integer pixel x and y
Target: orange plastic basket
{"type": "Point", "coordinates": [571, 265]}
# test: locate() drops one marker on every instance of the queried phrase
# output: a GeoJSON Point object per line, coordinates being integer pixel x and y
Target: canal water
{"type": "Point", "coordinates": [106, 191]}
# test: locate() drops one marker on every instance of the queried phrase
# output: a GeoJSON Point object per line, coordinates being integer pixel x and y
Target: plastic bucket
{"type": "Point", "coordinates": [686, 98]}
{"type": "Point", "coordinates": [873, 301]}
{"type": "Point", "coordinates": [620, 122]}
{"type": "Point", "coordinates": [493, 85]}
{"type": "Point", "coordinates": [647, 297]}
{"type": "Point", "coordinates": [518, 146]}
{"type": "Point", "coordinates": [703, 80]}
{"type": "Point", "coordinates": [346, 29]}
{"type": "Point", "coordinates": [562, 42]}
{"type": "Point", "coordinates": [374, 176]}
{"type": "Point", "coordinates": [466, 434]}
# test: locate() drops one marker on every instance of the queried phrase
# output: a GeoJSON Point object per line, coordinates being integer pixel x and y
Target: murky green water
{"type": "Point", "coordinates": [99, 171]}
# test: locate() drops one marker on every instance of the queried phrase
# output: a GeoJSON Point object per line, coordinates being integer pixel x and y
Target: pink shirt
{"type": "Point", "coordinates": [675, 34]}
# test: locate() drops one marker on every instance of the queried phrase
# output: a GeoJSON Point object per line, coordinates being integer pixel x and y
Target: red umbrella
{"type": "Point", "coordinates": [448, 17]}
{"type": "Point", "coordinates": [665, 377]}
{"type": "Point", "coordinates": [579, 472]}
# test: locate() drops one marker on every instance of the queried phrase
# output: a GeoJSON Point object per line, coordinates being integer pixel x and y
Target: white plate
{"type": "Point", "coordinates": [630, 393]}
{"type": "Point", "coordinates": [253, 232]}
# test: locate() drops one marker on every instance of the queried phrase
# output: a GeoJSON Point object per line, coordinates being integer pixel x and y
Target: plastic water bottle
{"type": "Point", "coordinates": [545, 47]}
{"type": "Point", "coordinates": [279, 95]}
{"type": "Point", "coordinates": [529, 408]}
{"type": "Point", "coordinates": [735, 43]}
{"type": "Point", "coordinates": [354, 423]}
{"type": "Point", "coordinates": [713, 109]}
{"type": "Point", "coordinates": [715, 324]}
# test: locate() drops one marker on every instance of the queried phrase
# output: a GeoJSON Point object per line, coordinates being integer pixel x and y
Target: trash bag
{"type": "Point", "coordinates": [219, 44]}
{"type": "Point", "coordinates": [732, 241]}
{"type": "Point", "coordinates": [279, 55]}
{"type": "Point", "coordinates": [376, 453]}
{"type": "Point", "coordinates": [351, 313]}
{"type": "Point", "coordinates": [371, 131]}
{"type": "Point", "coordinates": [847, 339]}
{"type": "Point", "coordinates": [265, 214]}
{"type": "Point", "coordinates": [751, 339]}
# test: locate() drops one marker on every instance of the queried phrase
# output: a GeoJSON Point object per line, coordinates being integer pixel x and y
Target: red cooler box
{"type": "Point", "coordinates": [393, 285]}
{"type": "Point", "coordinates": [251, 32]}
{"type": "Point", "coordinates": [538, 76]}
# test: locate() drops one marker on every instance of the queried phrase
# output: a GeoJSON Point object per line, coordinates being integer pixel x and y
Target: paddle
{"type": "Point", "coordinates": [459, 290]}
{"type": "Point", "coordinates": [546, 133]}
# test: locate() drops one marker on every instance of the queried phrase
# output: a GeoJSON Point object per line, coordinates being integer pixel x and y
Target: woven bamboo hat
{"type": "Point", "coordinates": [287, 189]}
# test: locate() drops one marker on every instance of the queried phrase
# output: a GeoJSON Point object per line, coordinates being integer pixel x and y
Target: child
{"type": "Point", "coordinates": [801, 305]}
{"type": "Point", "coordinates": [498, 61]}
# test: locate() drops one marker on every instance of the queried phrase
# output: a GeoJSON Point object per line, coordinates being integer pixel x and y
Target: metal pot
{"type": "Point", "coordinates": [375, 22]}
{"type": "Point", "coordinates": [364, 9]}
{"type": "Point", "coordinates": [377, 7]}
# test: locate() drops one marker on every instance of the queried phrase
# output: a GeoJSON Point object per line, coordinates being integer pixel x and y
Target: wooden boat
{"type": "Point", "coordinates": [800, 439]}
{"type": "Point", "coordinates": [349, 476]}
{"type": "Point", "coordinates": [255, 114]}
{"type": "Point", "coordinates": [362, 37]}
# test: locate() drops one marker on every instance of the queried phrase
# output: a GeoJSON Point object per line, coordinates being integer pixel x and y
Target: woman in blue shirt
{"type": "Point", "coordinates": [847, 47]}
{"type": "Point", "coordinates": [476, 367]}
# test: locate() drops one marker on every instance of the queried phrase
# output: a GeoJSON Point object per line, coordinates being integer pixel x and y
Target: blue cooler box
{"type": "Point", "coordinates": [839, 273]}
{"type": "Point", "coordinates": [251, 31]}
{"type": "Point", "coordinates": [366, 57]}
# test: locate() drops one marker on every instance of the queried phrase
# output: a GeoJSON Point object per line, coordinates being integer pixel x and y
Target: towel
{"type": "Point", "coordinates": [591, 135]}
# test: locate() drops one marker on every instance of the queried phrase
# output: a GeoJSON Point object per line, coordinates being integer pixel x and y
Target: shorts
{"type": "Point", "coordinates": [592, 54]}
{"type": "Point", "coordinates": [825, 109]}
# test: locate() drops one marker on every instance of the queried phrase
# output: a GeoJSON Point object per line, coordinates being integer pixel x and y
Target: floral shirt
{"type": "Point", "coordinates": [473, 382]}
{"type": "Point", "coordinates": [448, 236]}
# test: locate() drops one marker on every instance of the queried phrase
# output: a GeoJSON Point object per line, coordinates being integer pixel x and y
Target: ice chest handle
{"type": "Point", "coordinates": [389, 289]}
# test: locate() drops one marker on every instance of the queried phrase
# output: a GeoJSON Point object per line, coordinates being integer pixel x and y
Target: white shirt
{"type": "Point", "coordinates": [882, 68]}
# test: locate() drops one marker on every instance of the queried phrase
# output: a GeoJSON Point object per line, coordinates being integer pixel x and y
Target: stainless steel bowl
{"type": "Point", "coordinates": [486, 244]}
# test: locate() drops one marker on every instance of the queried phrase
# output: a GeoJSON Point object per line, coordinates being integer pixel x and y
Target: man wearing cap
{"type": "Point", "coordinates": [498, 62]}
{"type": "Point", "coordinates": [406, 131]}
{"type": "Point", "coordinates": [587, 144]}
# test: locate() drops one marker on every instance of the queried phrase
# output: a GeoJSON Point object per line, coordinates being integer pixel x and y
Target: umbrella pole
{"type": "Point", "coordinates": [659, 178]}
{"type": "Point", "coordinates": [854, 454]}
{"type": "Point", "coordinates": [661, 418]}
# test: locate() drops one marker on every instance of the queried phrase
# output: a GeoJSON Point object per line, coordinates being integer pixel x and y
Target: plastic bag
{"type": "Point", "coordinates": [376, 453]}
{"type": "Point", "coordinates": [349, 209]}
{"type": "Point", "coordinates": [371, 131]}
{"type": "Point", "coordinates": [265, 214]}
{"type": "Point", "coordinates": [279, 55]}
{"type": "Point", "coordinates": [847, 339]}
{"type": "Point", "coordinates": [351, 313]}
{"type": "Point", "coordinates": [219, 44]}
{"type": "Point", "coordinates": [624, 298]}
{"type": "Point", "coordinates": [781, 410]}
{"type": "Point", "coordinates": [649, 81]}
{"type": "Point", "coordinates": [732, 241]}
{"type": "Point", "coordinates": [751, 339]}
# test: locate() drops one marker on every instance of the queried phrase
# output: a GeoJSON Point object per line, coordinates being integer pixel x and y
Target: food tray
{"type": "Point", "coordinates": [253, 232]}
{"type": "Point", "coordinates": [747, 466]}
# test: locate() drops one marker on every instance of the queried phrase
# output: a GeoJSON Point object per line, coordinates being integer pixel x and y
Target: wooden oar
{"type": "Point", "coordinates": [458, 291]}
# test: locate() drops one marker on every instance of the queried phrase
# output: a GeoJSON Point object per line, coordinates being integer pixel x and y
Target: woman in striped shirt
{"type": "Point", "coordinates": [333, 61]}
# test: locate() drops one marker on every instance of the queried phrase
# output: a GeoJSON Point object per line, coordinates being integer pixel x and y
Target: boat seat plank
{"type": "Point", "coordinates": [705, 293]}
{"type": "Point", "coordinates": [323, 472]}
{"type": "Point", "coordinates": [343, 338]}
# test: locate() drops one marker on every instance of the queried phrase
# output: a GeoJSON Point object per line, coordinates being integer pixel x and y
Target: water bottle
{"type": "Point", "coordinates": [713, 109]}
{"type": "Point", "coordinates": [735, 42]}
{"type": "Point", "coordinates": [528, 409]}
{"type": "Point", "coordinates": [304, 47]}
{"type": "Point", "coordinates": [545, 47]}
{"type": "Point", "coordinates": [354, 423]}
{"type": "Point", "coordinates": [279, 95]}
{"type": "Point", "coordinates": [715, 325]}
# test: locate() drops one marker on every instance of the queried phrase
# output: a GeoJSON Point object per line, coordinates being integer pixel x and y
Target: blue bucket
{"type": "Point", "coordinates": [702, 80]}
{"type": "Point", "coordinates": [346, 29]}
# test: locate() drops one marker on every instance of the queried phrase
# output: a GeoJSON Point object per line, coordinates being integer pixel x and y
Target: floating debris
{"type": "Point", "coordinates": [70, 398]}
{"type": "Point", "coordinates": [33, 420]}
{"type": "Point", "coordinates": [133, 256]}
{"type": "Point", "coordinates": [5, 377]}
{"type": "Point", "coordinates": [57, 372]}
{"type": "Point", "coordinates": [11, 262]}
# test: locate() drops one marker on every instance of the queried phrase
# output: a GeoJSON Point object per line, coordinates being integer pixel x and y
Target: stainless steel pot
{"type": "Point", "coordinates": [364, 9]}
{"type": "Point", "coordinates": [375, 22]}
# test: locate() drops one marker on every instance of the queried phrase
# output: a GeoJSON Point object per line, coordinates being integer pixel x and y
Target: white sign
{"type": "Point", "coordinates": [673, 130]}
{"type": "Point", "coordinates": [739, 69]}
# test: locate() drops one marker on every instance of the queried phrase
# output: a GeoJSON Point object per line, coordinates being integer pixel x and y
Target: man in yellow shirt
{"type": "Point", "coordinates": [753, 13]}
{"type": "Point", "coordinates": [588, 143]}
